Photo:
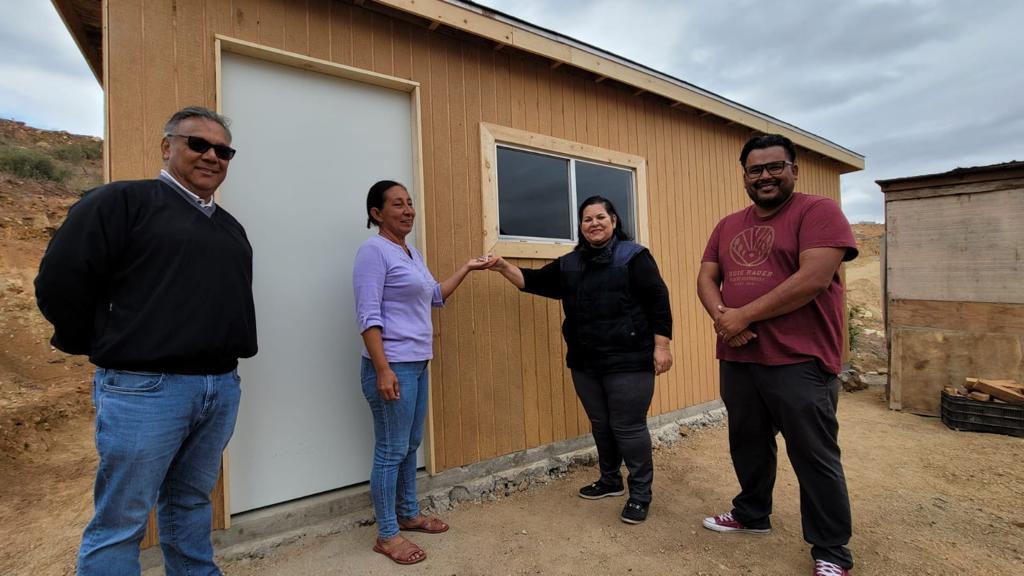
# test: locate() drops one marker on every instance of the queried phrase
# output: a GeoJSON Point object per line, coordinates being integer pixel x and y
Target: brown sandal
{"type": "Point", "coordinates": [429, 525]}
{"type": "Point", "coordinates": [405, 552]}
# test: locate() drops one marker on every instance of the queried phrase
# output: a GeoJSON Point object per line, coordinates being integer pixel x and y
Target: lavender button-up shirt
{"type": "Point", "coordinates": [395, 292]}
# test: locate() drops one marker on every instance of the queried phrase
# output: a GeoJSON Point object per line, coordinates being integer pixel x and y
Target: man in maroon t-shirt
{"type": "Point", "coordinates": [770, 281]}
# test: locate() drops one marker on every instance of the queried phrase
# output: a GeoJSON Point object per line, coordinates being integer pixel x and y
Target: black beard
{"type": "Point", "coordinates": [770, 203]}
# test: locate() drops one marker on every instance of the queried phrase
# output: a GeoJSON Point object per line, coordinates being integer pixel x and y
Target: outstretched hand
{"type": "Point", "coordinates": [481, 262]}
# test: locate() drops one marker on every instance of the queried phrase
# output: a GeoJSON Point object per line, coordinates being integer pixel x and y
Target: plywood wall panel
{"type": "Point", "coordinates": [318, 22]}
{"type": "Point", "coordinates": [296, 27]}
{"type": "Point", "coordinates": [191, 58]}
{"type": "Point", "coordinates": [362, 38]}
{"type": "Point", "coordinates": [159, 92]}
{"type": "Point", "coordinates": [246, 18]}
{"type": "Point", "coordinates": [964, 247]}
{"type": "Point", "coordinates": [127, 128]}
{"type": "Point", "coordinates": [273, 15]}
{"type": "Point", "coordinates": [383, 48]}
{"type": "Point", "coordinates": [341, 33]}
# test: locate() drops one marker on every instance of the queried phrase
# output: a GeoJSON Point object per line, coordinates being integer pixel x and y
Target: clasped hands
{"type": "Point", "coordinates": [733, 326]}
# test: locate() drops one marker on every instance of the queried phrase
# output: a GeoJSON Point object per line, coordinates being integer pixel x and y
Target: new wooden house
{"type": "Point", "coordinates": [498, 128]}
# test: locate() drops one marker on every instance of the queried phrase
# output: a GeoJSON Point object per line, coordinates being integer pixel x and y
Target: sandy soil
{"type": "Point", "coordinates": [926, 500]}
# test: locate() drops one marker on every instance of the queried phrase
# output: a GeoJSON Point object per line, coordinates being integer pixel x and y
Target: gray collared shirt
{"type": "Point", "coordinates": [207, 207]}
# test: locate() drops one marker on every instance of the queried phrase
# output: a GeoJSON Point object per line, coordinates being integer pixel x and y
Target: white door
{"type": "Point", "coordinates": [309, 147]}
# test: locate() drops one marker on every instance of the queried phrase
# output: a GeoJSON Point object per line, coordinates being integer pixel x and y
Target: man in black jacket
{"type": "Point", "coordinates": [153, 281]}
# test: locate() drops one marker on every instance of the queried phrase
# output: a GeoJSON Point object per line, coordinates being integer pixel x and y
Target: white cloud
{"type": "Point", "coordinates": [47, 83]}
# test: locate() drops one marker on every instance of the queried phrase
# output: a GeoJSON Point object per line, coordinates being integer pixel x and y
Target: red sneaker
{"type": "Point", "coordinates": [823, 568]}
{"type": "Point", "coordinates": [726, 523]}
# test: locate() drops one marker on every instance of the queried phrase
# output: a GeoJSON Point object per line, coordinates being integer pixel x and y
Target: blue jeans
{"type": "Point", "coordinates": [397, 433]}
{"type": "Point", "coordinates": [159, 439]}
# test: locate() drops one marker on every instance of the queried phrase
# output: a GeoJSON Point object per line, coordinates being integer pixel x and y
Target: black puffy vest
{"type": "Point", "coordinates": [605, 328]}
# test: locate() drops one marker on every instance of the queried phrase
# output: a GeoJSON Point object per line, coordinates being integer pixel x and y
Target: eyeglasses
{"type": "Point", "coordinates": [201, 145]}
{"type": "Point", "coordinates": [773, 168]}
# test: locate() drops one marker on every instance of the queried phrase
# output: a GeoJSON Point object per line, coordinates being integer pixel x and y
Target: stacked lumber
{"type": "Point", "coordinates": [986, 390]}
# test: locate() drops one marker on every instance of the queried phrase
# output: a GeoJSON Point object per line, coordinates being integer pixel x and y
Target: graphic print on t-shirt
{"type": "Point", "coordinates": [750, 249]}
{"type": "Point", "coordinates": [752, 246]}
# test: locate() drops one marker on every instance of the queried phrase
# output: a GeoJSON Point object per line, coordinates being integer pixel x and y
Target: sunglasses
{"type": "Point", "coordinates": [201, 145]}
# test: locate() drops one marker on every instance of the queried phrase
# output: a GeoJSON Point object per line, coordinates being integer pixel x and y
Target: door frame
{"type": "Point", "coordinates": [231, 45]}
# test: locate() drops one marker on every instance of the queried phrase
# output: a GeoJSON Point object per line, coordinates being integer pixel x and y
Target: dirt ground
{"type": "Point", "coordinates": [925, 499]}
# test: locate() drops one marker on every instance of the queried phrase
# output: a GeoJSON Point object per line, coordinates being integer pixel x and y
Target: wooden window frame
{"type": "Point", "coordinates": [491, 135]}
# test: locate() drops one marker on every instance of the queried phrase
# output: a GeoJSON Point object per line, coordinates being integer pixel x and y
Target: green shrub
{"type": "Point", "coordinates": [29, 164]}
{"type": "Point", "coordinates": [80, 151]}
{"type": "Point", "coordinates": [853, 329]}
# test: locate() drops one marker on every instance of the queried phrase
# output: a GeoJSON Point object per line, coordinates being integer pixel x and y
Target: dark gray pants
{"type": "Point", "coordinates": [798, 400]}
{"type": "Point", "coordinates": [617, 406]}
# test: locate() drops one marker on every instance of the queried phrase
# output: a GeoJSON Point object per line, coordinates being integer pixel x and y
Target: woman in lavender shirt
{"type": "Point", "coordinates": [394, 292]}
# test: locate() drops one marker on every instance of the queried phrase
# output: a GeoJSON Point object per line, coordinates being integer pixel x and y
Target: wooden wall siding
{"type": "Point", "coordinates": [963, 247]}
{"type": "Point", "coordinates": [499, 380]}
{"type": "Point", "coordinates": [937, 344]}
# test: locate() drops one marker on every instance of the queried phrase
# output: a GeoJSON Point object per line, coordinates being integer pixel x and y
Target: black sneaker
{"type": "Point", "coordinates": [596, 491]}
{"type": "Point", "coordinates": [634, 512]}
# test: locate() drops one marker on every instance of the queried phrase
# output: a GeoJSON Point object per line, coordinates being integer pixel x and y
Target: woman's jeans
{"type": "Point", "coordinates": [617, 406]}
{"type": "Point", "coordinates": [397, 432]}
{"type": "Point", "coordinates": [160, 438]}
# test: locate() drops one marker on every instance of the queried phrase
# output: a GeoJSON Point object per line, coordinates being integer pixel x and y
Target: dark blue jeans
{"type": "Point", "coordinates": [397, 433]}
{"type": "Point", "coordinates": [160, 438]}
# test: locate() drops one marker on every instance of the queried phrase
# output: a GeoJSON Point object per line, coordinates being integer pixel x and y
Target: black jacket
{"type": "Point", "coordinates": [614, 301]}
{"type": "Point", "coordinates": [139, 279]}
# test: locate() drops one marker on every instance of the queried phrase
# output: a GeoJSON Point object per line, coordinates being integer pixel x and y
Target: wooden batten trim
{"type": "Point", "coordinates": [490, 28]}
{"type": "Point", "coordinates": [491, 135]}
{"type": "Point", "coordinates": [976, 317]}
{"type": "Point", "coordinates": [267, 53]}
{"type": "Point", "coordinates": [419, 201]}
{"type": "Point", "coordinates": [225, 475]}
{"type": "Point", "coordinates": [106, 91]}
{"type": "Point", "coordinates": [948, 187]}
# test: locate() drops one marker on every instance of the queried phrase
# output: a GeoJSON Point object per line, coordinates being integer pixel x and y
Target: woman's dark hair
{"type": "Point", "coordinates": [610, 209]}
{"type": "Point", "coordinates": [375, 198]}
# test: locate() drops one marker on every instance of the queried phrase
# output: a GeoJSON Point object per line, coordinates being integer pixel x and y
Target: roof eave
{"type": "Point", "coordinates": [87, 35]}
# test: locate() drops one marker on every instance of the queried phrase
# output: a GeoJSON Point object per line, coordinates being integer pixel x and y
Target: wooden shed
{"type": "Point", "coordinates": [494, 124]}
{"type": "Point", "coordinates": [954, 277]}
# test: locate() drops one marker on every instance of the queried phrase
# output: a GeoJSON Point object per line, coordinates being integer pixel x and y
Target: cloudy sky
{"type": "Point", "coordinates": [917, 86]}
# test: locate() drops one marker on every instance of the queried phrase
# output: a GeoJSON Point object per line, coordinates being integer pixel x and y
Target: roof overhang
{"type": "Point", "coordinates": [956, 178]}
{"type": "Point", "coordinates": [83, 19]}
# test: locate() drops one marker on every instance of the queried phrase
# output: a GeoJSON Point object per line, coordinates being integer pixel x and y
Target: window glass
{"type": "Point", "coordinates": [615, 184]}
{"type": "Point", "coordinates": [534, 195]}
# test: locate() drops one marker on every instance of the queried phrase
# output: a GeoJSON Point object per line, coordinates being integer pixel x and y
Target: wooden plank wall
{"type": "Point", "coordinates": [960, 247]}
{"type": "Point", "coordinates": [500, 384]}
{"type": "Point", "coordinates": [937, 344]}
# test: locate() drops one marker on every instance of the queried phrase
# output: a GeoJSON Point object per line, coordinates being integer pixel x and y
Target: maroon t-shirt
{"type": "Point", "coordinates": [757, 254]}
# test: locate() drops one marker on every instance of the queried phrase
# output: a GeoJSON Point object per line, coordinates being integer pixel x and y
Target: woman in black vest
{"type": "Point", "coordinates": [618, 326]}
